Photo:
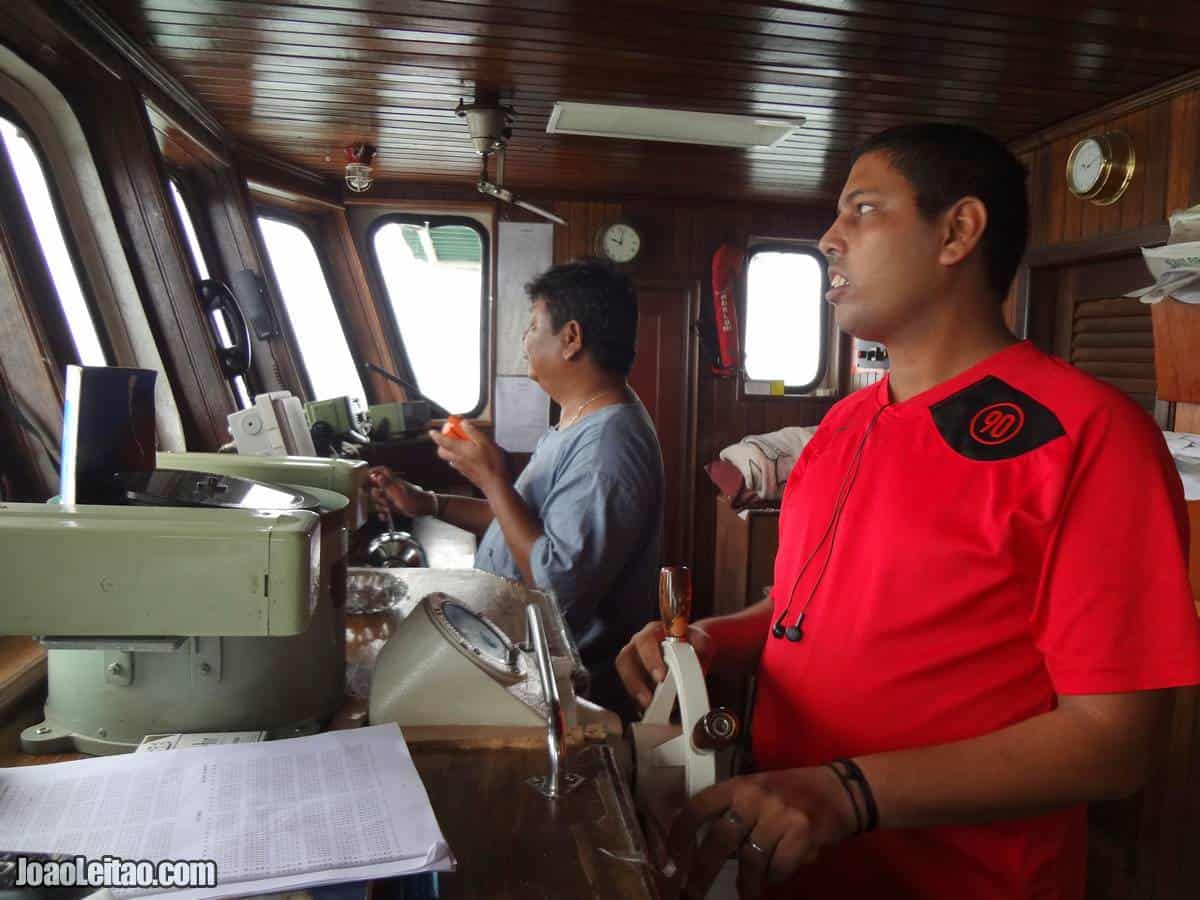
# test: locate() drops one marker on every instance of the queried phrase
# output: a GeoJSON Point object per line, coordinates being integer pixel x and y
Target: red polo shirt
{"type": "Point", "coordinates": [1015, 533]}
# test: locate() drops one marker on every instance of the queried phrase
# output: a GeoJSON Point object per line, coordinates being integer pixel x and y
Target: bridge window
{"type": "Point", "coordinates": [39, 203]}
{"type": "Point", "coordinates": [434, 270]}
{"type": "Point", "coordinates": [188, 224]}
{"type": "Point", "coordinates": [786, 318]}
{"type": "Point", "coordinates": [313, 317]}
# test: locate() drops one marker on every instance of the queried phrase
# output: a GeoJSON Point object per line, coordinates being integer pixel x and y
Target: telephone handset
{"type": "Point", "coordinates": [219, 301]}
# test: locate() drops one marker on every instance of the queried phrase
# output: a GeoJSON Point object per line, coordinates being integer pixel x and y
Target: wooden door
{"type": "Point", "coordinates": [664, 376]}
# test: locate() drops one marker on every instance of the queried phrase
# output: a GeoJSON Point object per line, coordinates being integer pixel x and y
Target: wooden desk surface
{"type": "Point", "coordinates": [512, 843]}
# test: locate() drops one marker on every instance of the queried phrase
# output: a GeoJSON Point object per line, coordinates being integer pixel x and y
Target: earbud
{"type": "Point", "coordinates": [794, 633]}
{"type": "Point", "coordinates": [777, 629]}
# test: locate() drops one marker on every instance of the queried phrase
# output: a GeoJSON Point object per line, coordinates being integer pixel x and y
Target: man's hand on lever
{"type": "Point", "coordinates": [773, 822]}
{"type": "Point", "coordinates": [728, 645]}
{"type": "Point", "coordinates": [387, 490]}
{"type": "Point", "coordinates": [640, 663]}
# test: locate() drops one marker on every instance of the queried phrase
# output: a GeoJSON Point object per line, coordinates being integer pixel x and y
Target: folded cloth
{"type": "Point", "coordinates": [731, 483]}
{"type": "Point", "coordinates": [763, 461]}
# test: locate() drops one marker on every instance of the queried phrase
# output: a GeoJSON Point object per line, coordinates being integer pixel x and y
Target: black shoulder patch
{"type": "Point", "coordinates": [991, 420]}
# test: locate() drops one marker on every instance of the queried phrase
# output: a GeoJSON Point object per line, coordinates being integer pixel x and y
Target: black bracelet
{"type": "Point", "coordinates": [854, 773]}
{"type": "Point", "coordinates": [845, 783]}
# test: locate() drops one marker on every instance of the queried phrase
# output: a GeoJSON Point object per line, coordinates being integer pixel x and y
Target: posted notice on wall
{"type": "Point", "coordinates": [522, 413]}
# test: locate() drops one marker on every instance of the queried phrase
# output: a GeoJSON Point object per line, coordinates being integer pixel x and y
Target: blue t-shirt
{"type": "Point", "coordinates": [597, 491]}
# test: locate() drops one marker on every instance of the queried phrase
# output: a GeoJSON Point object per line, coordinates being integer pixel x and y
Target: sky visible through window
{"type": "Point", "coordinates": [36, 192]}
{"type": "Point", "coordinates": [433, 278]}
{"type": "Point", "coordinates": [783, 317]}
{"type": "Point", "coordinates": [331, 369]}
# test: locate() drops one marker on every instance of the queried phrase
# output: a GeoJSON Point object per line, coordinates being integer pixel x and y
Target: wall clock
{"type": "Point", "coordinates": [1100, 168]}
{"type": "Point", "coordinates": [618, 242]}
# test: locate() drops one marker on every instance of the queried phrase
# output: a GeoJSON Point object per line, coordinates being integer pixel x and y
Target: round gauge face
{"type": "Point", "coordinates": [1087, 165]}
{"type": "Point", "coordinates": [482, 637]}
{"type": "Point", "coordinates": [620, 243]}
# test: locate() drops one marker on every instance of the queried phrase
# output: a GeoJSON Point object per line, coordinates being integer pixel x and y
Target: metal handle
{"type": "Point", "coordinates": [556, 726]}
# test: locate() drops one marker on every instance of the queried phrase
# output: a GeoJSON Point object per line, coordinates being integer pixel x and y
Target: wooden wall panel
{"type": "Point", "coordinates": [1176, 326]}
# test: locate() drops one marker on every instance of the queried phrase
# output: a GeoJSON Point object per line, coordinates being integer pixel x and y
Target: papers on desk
{"type": "Point", "coordinates": [275, 816]}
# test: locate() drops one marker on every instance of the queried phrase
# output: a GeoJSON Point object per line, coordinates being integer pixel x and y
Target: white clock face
{"type": "Point", "coordinates": [1087, 165]}
{"type": "Point", "coordinates": [621, 243]}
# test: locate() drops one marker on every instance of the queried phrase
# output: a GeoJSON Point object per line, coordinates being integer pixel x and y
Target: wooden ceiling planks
{"type": "Point", "coordinates": [301, 80]}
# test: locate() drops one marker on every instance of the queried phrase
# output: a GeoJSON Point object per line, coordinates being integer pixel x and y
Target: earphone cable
{"type": "Point", "coordinates": [794, 632]}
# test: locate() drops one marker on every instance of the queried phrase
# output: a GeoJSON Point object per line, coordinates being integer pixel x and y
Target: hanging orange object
{"type": "Point", "coordinates": [453, 429]}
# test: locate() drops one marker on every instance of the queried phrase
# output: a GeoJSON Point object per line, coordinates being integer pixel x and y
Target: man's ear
{"type": "Point", "coordinates": [571, 338]}
{"type": "Point", "coordinates": [963, 226]}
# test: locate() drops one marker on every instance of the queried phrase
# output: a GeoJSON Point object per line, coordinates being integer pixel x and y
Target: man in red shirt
{"type": "Point", "coordinates": [981, 591]}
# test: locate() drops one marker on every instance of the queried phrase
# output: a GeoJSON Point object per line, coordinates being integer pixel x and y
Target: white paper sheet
{"type": "Point", "coordinates": [1185, 449]}
{"type": "Point", "coordinates": [522, 413]}
{"type": "Point", "coordinates": [525, 250]}
{"type": "Point", "coordinates": [335, 807]}
{"type": "Point", "coordinates": [155, 743]}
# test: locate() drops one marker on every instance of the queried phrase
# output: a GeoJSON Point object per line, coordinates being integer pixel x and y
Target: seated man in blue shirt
{"type": "Point", "coordinates": [584, 519]}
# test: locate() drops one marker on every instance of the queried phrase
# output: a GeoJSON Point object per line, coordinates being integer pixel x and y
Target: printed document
{"type": "Point", "coordinates": [279, 815]}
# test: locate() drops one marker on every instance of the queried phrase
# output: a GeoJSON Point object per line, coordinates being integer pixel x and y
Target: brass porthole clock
{"type": "Point", "coordinates": [1100, 168]}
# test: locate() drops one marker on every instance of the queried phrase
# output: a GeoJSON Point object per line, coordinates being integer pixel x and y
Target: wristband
{"type": "Point", "coordinates": [855, 774]}
{"type": "Point", "coordinates": [845, 783]}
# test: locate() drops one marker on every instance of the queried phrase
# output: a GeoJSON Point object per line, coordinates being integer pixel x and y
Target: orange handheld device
{"type": "Point", "coordinates": [453, 428]}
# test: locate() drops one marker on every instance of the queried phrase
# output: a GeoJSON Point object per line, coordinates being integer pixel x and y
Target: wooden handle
{"type": "Point", "coordinates": [675, 600]}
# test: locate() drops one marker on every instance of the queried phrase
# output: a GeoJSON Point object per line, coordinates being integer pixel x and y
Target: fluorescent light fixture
{"type": "Point", "coordinates": [644, 123]}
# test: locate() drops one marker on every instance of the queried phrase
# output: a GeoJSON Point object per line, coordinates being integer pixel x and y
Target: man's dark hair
{"type": "Point", "coordinates": [603, 302]}
{"type": "Point", "coordinates": [945, 163]}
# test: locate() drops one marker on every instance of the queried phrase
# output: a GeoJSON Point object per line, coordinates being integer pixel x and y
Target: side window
{"type": "Point", "coordinates": [786, 318]}
{"type": "Point", "coordinates": [187, 223]}
{"type": "Point", "coordinates": [322, 341]}
{"type": "Point", "coordinates": [434, 270]}
{"type": "Point", "coordinates": [35, 191]}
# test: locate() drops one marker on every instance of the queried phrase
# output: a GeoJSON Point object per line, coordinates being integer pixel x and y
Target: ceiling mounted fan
{"type": "Point", "coordinates": [490, 124]}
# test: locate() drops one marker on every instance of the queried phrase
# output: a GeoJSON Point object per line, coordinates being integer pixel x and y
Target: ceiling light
{"type": "Point", "coordinates": [358, 167]}
{"type": "Point", "coordinates": [645, 123]}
